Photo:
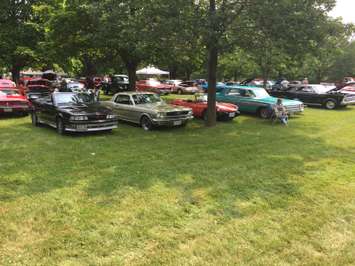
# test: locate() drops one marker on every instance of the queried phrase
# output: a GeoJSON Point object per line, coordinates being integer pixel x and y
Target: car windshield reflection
{"type": "Point", "coordinates": [73, 98]}
{"type": "Point", "coordinates": [9, 92]}
{"type": "Point", "coordinates": [146, 98]}
{"type": "Point", "coordinates": [261, 93]}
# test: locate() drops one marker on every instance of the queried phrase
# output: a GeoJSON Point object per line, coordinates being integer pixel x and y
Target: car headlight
{"type": "Point", "coordinates": [111, 116]}
{"type": "Point", "coordinates": [79, 118]}
{"type": "Point", "coordinates": [160, 115]}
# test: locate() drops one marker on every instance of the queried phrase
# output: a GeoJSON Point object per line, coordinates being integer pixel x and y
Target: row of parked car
{"type": "Point", "coordinates": [76, 110]}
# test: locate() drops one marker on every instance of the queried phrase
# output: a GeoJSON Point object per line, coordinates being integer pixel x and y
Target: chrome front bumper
{"type": "Point", "coordinates": [172, 121]}
{"type": "Point", "coordinates": [91, 127]}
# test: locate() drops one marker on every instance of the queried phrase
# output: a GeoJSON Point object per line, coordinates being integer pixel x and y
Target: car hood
{"type": "Point", "coordinates": [163, 107]}
{"type": "Point", "coordinates": [13, 98]}
{"type": "Point", "coordinates": [227, 107]}
{"type": "Point", "coordinates": [85, 109]}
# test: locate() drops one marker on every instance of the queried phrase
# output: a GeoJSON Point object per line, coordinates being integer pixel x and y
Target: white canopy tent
{"type": "Point", "coordinates": [151, 71]}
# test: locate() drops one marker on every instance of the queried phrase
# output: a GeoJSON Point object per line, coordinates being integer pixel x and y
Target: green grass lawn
{"type": "Point", "coordinates": [242, 193]}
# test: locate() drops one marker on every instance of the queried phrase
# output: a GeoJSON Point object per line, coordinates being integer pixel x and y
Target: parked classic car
{"type": "Point", "coordinates": [148, 110]}
{"type": "Point", "coordinates": [225, 111]}
{"type": "Point", "coordinates": [186, 87]}
{"type": "Point", "coordinates": [68, 111]}
{"type": "Point", "coordinates": [153, 85]}
{"type": "Point", "coordinates": [7, 84]}
{"type": "Point", "coordinates": [11, 101]}
{"type": "Point", "coordinates": [118, 83]}
{"type": "Point", "coordinates": [37, 88]}
{"type": "Point", "coordinates": [73, 86]}
{"type": "Point", "coordinates": [256, 100]}
{"type": "Point", "coordinates": [349, 88]}
{"type": "Point", "coordinates": [219, 86]}
{"type": "Point", "coordinates": [316, 95]}
{"type": "Point", "coordinates": [173, 82]}
{"type": "Point", "coordinates": [257, 82]}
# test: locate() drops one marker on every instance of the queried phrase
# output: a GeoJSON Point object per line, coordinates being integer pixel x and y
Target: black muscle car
{"type": "Point", "coordinates": [118, 83]}
{"type": "Point", "coordinates": [316, 95]}
{"type": "Point", "coordinates": [68, 111]}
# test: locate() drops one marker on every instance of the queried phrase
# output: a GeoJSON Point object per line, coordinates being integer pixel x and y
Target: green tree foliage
{"type": "Point", "coordinates": [20, 33]}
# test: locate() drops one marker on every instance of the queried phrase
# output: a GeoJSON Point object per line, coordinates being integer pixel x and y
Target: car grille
{"type": "Point", "coordinates": [294, 108]}
{"type": "Point", "coordinates": [96, 117]}
{"type": "Point", "coordinates": [177, 113]}
{"type": "Point", "coordinates": [101, 125]}
{"type": "Point", "coordinates": [13, 103]}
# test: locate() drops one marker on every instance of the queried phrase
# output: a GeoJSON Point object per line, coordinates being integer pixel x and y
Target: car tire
{"type": "Point", "coordinates": [60, 126]}
{"type": "Point", "coordinates": [146, 123]}
{"type": "Point", "coordinates": [330, 104]}
{"type": "Point", "coordinates": [264, 113]}
{"type": "Point", "coordinates": [34, 119]}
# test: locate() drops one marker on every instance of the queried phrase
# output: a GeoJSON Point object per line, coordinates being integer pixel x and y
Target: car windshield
{"type": "Point", "coordinates": [9, 92]}
{"type": "Point", "coordinates": [261, 93]}
{"type": "Point", "coordinates": [153, 83]}
{"type": "Point", "coordinates": [146, 98]}
{"type": "Point", "coordinates": [76, 98]}
{"type": "Point", "coordinates": [321, 88]}
{"type": "Point", "coordinates": [76, 85]}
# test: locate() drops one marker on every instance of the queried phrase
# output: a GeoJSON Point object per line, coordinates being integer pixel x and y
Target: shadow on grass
{"type": "Point", "coordinates": [248, 159]}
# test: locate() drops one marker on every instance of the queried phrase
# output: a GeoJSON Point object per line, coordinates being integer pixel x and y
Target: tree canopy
{"type": "Point", "coordinates": [225, 39]}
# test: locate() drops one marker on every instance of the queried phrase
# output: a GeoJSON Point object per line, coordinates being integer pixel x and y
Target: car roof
{"type": "Point", "coordinates": [134, 93]}
{"type": "Point", "coordinates": [245, 87]}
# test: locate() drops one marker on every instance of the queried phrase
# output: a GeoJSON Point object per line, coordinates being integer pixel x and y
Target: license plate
{"type": "Point", "coordinates": [231, 114]}
{"type": "Point", "coordinates": [177, 123]}
{"type": "Point", "coordinates": [8, 110]}
{"type": "Point", "coordinates": [82, 127]}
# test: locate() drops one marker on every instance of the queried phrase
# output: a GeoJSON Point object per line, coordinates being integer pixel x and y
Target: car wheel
{"type": "Point", "coordinates": [330, 104]}
{"type": "Point", "coordinates": [264, 113]}
{"type": "Point", "coordinates": [60, 126]}
{"type": "Point", "coordinates": [146, 123]}
{"type": "Point", "coordinates": [34, 119]}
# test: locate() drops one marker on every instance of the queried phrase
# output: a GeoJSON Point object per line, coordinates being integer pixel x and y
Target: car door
{"type": "Point", "coordinates": [48, 113]}
{"type": "Point", "coordinates": [238, 96]}
{"type": "Point", "coordinates": [122, 106]}
{"type": "Point", "coordinates": [306, 95]}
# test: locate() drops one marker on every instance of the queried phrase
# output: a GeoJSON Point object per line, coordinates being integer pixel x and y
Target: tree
{"type": "Point", "coordinates": [20, 34]}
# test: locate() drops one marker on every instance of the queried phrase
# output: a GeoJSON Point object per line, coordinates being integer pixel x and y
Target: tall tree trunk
{"type": "Point", "coordinates": [131, 70]}
{"type": "Point", "coordinates": [173, 72]}
{"type": "Point", "coordinates": [188, 74]}
{"type": "Point", "coordinates": [15, 73]}
{"type": "Point", "coordinates": [212, 67]}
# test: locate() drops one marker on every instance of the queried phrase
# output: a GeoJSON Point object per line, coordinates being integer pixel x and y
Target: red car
{"type": "Point", "coordinates": [153, 86]}
{"type": "Point", "coordinates": [12, 102]}
{"type": "Point", "coordinates": [350, 88]}
{"type": "Point", "coordinates": [7, 84]}
{"type": "Point", "coordinates": [225, 111]}
{"type": "Point", "coordinates": [37, 88]}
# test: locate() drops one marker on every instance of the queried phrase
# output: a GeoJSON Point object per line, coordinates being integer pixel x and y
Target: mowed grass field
{"type": "Point", "coordinates": [242, 193]}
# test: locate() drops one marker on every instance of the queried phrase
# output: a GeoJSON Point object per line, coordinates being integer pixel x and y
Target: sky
{"type": "Point", "coordinates": [345, 9]}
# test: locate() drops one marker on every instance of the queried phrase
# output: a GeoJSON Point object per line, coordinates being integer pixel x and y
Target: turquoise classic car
{"type": "Point", "coordinates": [256, 100]}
